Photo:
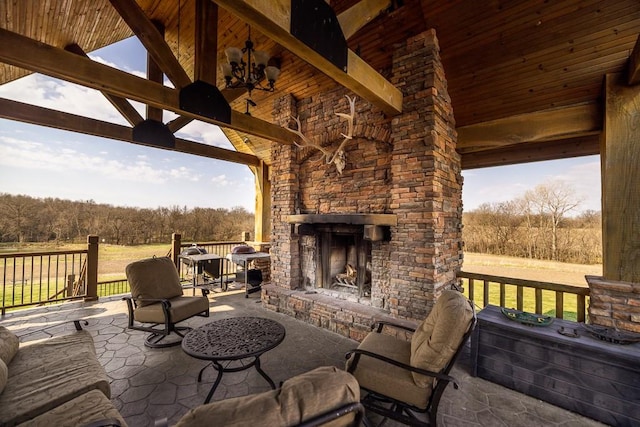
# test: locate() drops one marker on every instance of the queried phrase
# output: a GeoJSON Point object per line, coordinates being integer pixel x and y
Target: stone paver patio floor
{"type": "Point", "coordinates": [150, 384]}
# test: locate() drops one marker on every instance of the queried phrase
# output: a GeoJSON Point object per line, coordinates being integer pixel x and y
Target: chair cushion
{"type": "Point", "coordinates": [182, 307]}
{"type": "Point", "coordinates": [85, 409]}
{"type": "Point", "coordinates": [299, 399]}
{"type": "Point", "coordinates": [438, 337]}
{"type": "Point", "coordinates": [9, 344]}
{"type": "Point", "coordinates": [153, 278]}
{"type": "Point", "coordinates": [313, 393]}
{"type": "Point", "coordinates": [33, 354]}
{"type": "Point", "coordinates": [56, 381]}
{"type": "Point", "coordinates": [4, 375]}
{"type": "Point", "coordinates": [384, 378]}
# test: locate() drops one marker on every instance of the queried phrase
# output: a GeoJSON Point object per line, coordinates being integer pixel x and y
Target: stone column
{"type": "Point", "coordinates": [285, 188]}
{"type": "Point", "coordinates": [426, 194]}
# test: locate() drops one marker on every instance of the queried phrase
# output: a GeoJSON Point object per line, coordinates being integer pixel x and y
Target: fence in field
{"type": "Point", "coordinates": [527, 295]}
{"type": "Point", "coordinates": [37, 278]}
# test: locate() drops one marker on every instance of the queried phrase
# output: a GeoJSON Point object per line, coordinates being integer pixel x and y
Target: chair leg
{"type": "Point", "coordinates": [154, 339]}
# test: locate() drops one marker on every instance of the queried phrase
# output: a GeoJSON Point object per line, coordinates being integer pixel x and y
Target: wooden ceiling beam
{"type": "Point", "coordinates": [633, 69]}
{"type": "Point", "coordinates": [123, 106]}
{"type": "Point", "coordinates": [155, 74]}
{"type": "Point", "coordinates": [206, 41]}
{"type": "Point", "coordinates": [152, 40]}
{"type": "Point", "coordinates": [26, 113]}
{"type": "Point", "coordinates": [41, 58]}
{"type": "Point", "coordinates": [273, 19]}
{"type": "Point", "coordinates": [360, 14]}
{"type": "Point", "coordinates": [553, 124]}
{"type": "Point", "coordinates": [533, 152]}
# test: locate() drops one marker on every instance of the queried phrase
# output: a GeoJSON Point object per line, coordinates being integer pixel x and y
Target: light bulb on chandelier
{"type": "Point", "coordinates": [252, 73]}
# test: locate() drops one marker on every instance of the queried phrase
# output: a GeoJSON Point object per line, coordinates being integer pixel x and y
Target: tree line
{"type": "Point", "coordinates": [536, 225]}
{"type": "Point", "coordinates": [28, 219]}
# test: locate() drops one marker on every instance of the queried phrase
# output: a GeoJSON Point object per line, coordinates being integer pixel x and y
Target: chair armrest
{"type": "Point", "coordinates": [358, 352]}
{"type": "Point", "coordinates": [334, 414]}
{"type": "Point", "coordinates": [164, 301]}
{"type": "Point", "coordinates": [380, 324]}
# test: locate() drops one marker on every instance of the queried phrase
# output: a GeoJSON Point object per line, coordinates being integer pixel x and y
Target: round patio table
{"type": "Point", "coordinates": [233, 340]}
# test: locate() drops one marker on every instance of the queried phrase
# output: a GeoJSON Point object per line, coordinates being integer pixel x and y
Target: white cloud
{"type": "Point", "coordinates": [220, 180]}
{"type": "Point", "coordinates": [206, 133]}
{"type": "Point", "coordinates": [40, 157]}
{"type": "Point", "coordinates": [45, 92]}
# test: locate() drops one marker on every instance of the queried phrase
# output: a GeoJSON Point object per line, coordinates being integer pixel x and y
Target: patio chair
{"type": "Point", "coordinates": [325, 396]}
{"type": "Point", "coordinates": [403, 378]}
{"type": "Point", "coordinates": [157, 299]}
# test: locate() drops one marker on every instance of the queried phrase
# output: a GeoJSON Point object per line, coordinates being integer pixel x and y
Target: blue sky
{"type": "Point", "coordinates": [43, 162]}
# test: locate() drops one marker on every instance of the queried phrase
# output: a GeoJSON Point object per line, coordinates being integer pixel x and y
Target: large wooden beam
{"type": "Point", "coordinates": [123, 106]}
{"type": "Point", "coordinates": [41, 58]}
{"type": "Point", "coordinates": [620, 164]}
{"type": "Point", "coordinates": [553, 124]}
{"type": "Point", "coordinates": [273, 19]}
{"type": "Point", "coordinates": [532, 152]}
{"type": "Point", "coordinates": [206, 41]}
{"type": "Point", "coordinates": [360, 14]}
{"type": "Point", "coordinates": [633, 69]}
{"type": "Point", "coordinates": [26, 113]}
{"type": "Point", "coordinates": [152, 40]}
{"type": "Point", "coordinates": [155, 74]}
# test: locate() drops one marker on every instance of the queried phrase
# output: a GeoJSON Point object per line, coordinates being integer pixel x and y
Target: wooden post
{"type": "Point", "coordinates": [263, 203]}
{"type": "Point", "coordinates": [92, 268]}
{"type": "Point", "coordinates": [176, 241]}
{"type": "Point", "coordinates": [70, 279]}
{"type": "Point", "coordinates": [620, 162]}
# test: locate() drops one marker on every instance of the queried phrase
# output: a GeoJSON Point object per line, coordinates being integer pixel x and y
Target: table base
{"type": "Point", "coordinates": [222, 369]}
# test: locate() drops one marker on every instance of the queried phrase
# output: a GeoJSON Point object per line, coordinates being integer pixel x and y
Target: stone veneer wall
{"type": "Point", "coordinates": [614, 304]}
{"type": "Point", "coordinates": [407, 166]}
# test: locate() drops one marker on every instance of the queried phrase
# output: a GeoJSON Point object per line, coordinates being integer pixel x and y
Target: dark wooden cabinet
{"type": "Point", "coordinates": [597, 379]}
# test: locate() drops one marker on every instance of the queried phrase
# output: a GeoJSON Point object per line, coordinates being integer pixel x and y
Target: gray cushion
{"type": "Point", "coordinates": [153, 278]}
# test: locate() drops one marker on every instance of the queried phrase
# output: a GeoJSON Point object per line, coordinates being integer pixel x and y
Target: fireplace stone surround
{"type": "Point", "coordinates": [405, 168]}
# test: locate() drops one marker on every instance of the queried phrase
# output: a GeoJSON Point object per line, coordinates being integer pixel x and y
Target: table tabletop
{"type": "Point", "coordinates": [233, 338]}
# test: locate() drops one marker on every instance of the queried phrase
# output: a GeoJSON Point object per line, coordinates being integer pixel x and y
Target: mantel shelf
{"type": "Point", "coordinates": [351, 219]}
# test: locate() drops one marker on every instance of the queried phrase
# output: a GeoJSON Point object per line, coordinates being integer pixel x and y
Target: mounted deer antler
{"type": "Point", "coordinates": [338, 157]}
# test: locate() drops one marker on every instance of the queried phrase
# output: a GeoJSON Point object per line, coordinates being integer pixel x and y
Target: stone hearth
{"type": "Point", "coordinates": [403, 169]}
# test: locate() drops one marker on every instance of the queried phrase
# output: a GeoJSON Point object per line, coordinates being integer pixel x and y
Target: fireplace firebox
{"type": "Point", "coordinates": [339, 250]}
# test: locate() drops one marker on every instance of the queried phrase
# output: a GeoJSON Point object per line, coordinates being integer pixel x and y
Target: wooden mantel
{"type": "Point", "coordinates": [350, 219]}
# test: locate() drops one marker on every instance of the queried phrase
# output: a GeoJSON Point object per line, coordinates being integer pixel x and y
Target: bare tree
{"type": "Point", "coordinates": [552, 201]}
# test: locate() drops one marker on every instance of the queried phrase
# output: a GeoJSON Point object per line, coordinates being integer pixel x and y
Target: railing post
{"type": "Point", "coordinates": [70, 279]}
{"type": "Point", "coordinates": [176, 241]}
{"type": "Point", "coordinates": [92, 268]}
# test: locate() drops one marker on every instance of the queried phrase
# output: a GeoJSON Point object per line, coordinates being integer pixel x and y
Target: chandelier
{"type": "Point", "coordinates": [252, 73]}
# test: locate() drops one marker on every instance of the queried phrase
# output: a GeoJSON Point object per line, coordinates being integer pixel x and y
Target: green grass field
{"type": "Point", "coordinates": [548, 299]}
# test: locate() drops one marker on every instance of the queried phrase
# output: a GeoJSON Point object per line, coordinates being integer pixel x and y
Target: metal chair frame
{"type": "Point", "coordinates": [156, 335]}
{"type": "Point", "coordinates": [402, 411]}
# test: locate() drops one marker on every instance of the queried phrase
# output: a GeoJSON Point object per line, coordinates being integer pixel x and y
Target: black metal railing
{"type": "Point", "coordinates": [42, 277]}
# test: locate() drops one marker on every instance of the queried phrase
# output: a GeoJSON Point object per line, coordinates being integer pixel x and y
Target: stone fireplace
{"type": "Point", "coordinates": [337, 252]}
{"type": "Point", "coordinates": [393, 215]}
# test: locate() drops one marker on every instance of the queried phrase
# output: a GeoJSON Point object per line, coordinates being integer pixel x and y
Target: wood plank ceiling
{"type": "Point", "coordinates": [525, 76]}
